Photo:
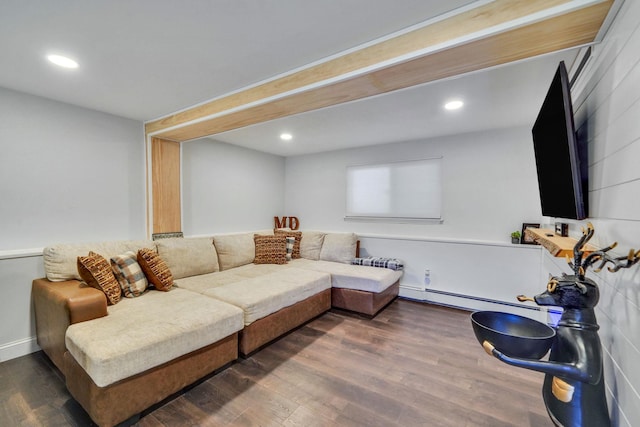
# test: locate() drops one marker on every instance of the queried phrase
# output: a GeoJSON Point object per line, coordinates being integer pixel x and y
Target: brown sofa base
{"type": "Point", "coordinates": [368, 303]}
{"type": "Point", "coordinates": [265, 330]}
{"type": "Point", "coordinates": [108, 406]}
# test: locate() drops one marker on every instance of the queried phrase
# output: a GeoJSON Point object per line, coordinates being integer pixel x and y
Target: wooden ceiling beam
{"type": "Point", "coordinates": [494, 33]}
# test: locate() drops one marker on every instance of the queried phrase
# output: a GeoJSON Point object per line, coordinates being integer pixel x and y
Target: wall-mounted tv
{"type": "Point", "coordinates": [561, 159]}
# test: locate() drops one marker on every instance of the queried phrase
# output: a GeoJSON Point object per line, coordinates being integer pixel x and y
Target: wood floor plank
{"type": "Point", "coordinates": [307, 417]}
{"type": "Point", "coordinates": [414, 364]}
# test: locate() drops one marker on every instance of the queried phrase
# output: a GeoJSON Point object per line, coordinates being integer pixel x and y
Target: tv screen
{"type": "Point", "coordinates": [561, 160]}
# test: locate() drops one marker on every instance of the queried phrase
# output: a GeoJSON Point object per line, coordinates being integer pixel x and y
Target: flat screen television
{"type": "Point", "coordinates": [561, 159]}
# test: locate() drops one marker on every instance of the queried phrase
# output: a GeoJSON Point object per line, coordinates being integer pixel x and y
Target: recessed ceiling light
{"type": "Point", "coordinates": [453, 105]}
{"type": "Point", "coordinates": [286, 136]}
{"type": "Point", "coordinates": [62, 61]}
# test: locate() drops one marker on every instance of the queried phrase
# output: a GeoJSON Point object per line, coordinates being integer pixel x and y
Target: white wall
{"type": "Point", "coordinates": [490, 185]}
{"type": "Point", "coordinates": [606, 102]}
{"type": "Point", "coordinates": [490, 189]}
{"type": "Point", "coordinates": [18, 329]}
{"type": "Point", "coordinates": [227, 188]}
{"type": "Point", "coordinates": [66, 174]}
{"type": "Point", "coordinates": [69, 174]}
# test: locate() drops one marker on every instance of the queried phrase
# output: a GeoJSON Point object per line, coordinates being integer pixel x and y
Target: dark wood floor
{"type": "Point", "coordinates": [413, 365]}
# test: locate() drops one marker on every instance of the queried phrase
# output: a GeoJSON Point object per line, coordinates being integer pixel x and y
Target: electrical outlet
{"type": "Point", "coordinates": [427, 277]}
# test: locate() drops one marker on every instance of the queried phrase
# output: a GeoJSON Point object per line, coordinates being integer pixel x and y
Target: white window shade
{"type": "Point", "coordinates": [410, 190]}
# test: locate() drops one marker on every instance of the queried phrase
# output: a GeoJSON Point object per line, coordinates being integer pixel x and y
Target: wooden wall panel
{"type": "Point", "coordinates": [165, 181]}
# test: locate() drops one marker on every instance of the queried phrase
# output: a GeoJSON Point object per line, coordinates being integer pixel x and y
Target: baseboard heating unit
{"type": "Point", "coordinates": [473, 303]}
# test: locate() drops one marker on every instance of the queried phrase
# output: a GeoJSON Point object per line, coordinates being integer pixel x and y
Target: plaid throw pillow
{"type": "Point", "coordinates": [290, 243]}
{"type": "Point", "coordinates": [155, 269]}
{"type": "Point", "coordinates": [96, 272]}
{"type": "Point", "coordinates": [270, 249]}
{"type": "Point", "coordinates": [295, 234]}
{"type": "Point", "coordinates": [129, 274]}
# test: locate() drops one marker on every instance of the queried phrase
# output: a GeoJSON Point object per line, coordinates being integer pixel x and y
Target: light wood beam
{"type": "Point", "coordinates": [394, 64]}
{"type": "Point", "coordinates": [165, 181]}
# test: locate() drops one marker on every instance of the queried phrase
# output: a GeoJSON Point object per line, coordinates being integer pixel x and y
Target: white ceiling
{"type": "Point", "coordinates": [144, 59]}
{"type": "Point", "coordinates": [505, 96]}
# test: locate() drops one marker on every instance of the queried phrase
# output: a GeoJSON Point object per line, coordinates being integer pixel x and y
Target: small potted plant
{"type": "Point", "coordinates": [515, 237]}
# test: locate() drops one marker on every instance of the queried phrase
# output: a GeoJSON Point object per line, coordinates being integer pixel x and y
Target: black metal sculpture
{"type": "Point", "coordinates": [573, 389]}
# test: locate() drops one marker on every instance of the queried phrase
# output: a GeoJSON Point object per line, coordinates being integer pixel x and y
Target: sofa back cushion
{"type": "Point", "coordinates": [60, 261]}
{"type": "Point", "coordinates": [311, 244]}
{"type": "Point", "coordinates": [190, 256]}
{"type": "Point", "coordinates": [234, 250]}
{"type": "Point", "coordinates": [339, 247]}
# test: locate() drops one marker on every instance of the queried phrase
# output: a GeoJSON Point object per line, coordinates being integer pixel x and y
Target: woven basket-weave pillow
{"type": "Point", "coordinates": [155, 269]}
{"type": "Point", "coordinates": [270, 249]}
{"type": "Point", "coordinates": [96, 272]}
{"type": "Point", "coordinates": [296, 246]}
{"type": "Point", "coordinates": [129, 274]}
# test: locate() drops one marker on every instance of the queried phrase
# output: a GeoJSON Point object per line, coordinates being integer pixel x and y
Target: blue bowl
{"type": "Point", "coordinates": [513, 335]}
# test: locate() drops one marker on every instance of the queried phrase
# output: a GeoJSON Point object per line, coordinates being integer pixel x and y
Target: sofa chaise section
{"type": "Point", "coordinates": [142, 333]}
{"type": "Point", "coordinates": [152, 347]}
{"type": "Point", "coordinates": [120, 359]}
{"type": "Point", "coordinates": [361, 289]}
{"type": "Point", "coordinates": [86, 345]}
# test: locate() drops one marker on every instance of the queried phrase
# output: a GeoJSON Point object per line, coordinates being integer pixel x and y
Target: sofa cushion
{"type": "Point", "coordinates": [205, 282]}
{"type": "Point", "coordinates": [339, 247]}
{"type": "Point", "coordinates": [155, 269]}
{"type": "Point", "coordinates": [189, 256]}
{"type": "Point", "coordinates": [141, 333]}
{"type": "Point", "coordinates": [60, 260]}
{"type": "Point", "coordinates": [97, 273]}
{"type": "Point", "coordinates": [264, 295]}
{"type": "Point", "coordinates": [234, 250]}
{"type": "Point", "coordinates": [358, 277]}
{"type": "Point", "coordinates": [311, 244]}
{"type": "Point", "coordinates": [270, 249]}
{"type": "Point", "coordinates": [129, 274]}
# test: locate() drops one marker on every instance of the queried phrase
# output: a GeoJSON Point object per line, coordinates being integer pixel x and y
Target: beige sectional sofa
{"type": "Point", "coordinates": [120, 359]}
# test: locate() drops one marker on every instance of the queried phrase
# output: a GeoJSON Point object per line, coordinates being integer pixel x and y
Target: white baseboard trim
{"type": "Point", "coordinates": [18, 348]}
{"type": "Point", "coordinates": [474, 304]}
